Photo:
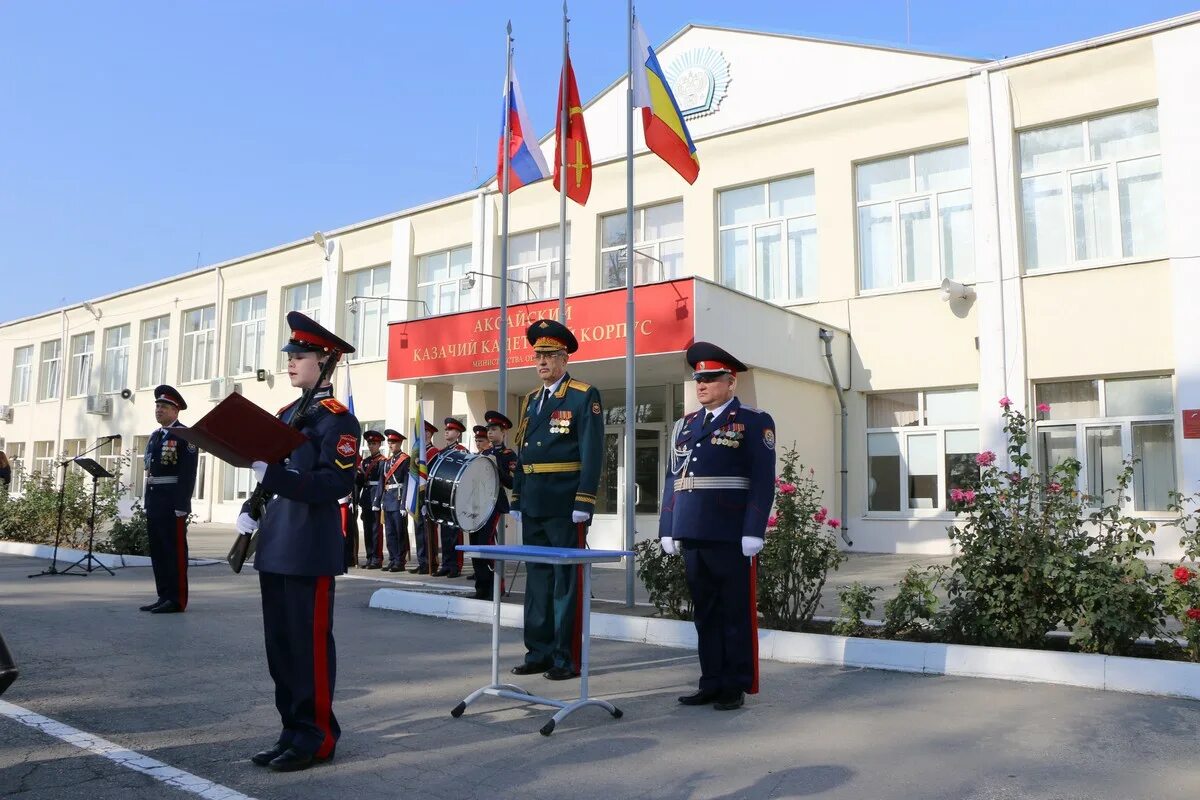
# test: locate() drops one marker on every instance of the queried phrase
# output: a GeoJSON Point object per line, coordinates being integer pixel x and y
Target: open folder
{"type": "Point", "coordinates": [240, 433]}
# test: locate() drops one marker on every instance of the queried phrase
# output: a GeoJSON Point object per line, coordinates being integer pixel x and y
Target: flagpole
{"type": "Point", "coordinates": [630, 350]}
{"type": "Point", "coordinates": [502, 388]}
{"type": "Point", "coordinates": [564, 118]}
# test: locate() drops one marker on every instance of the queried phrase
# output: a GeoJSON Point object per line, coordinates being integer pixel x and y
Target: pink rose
{"type": "Point", "coordinates": [1054, 488]}
{"type": "Point", "coordinates": [969, 496]}
{"type": "Point", "coordinates": [772, 521]}
{"type": "Point", "coordinates": [1194, 614]}
{"type": "Point", "coordinates": [1043, 408]}
{"type": "Point", "coordinates": [957, 495]}
{"type": "Point", "coordinates": [1183, 574]}
{"type": "Point", "coordinates": [986, 458]}
{"type": "Point", "coordinates": [787, 488]}
{"type": "Point", "coordinates": [834, 523]}
{"type": "Point", "coordinates": [1005, 402]}
{"type": "Point", "coordinates": [820, 516]}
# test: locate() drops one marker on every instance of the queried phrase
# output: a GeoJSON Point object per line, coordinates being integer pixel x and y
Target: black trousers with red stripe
{"type": "Point", "coordinates": [553, 629]}
{"type": "Point", "coordinates": [485, 567]}
{"type": "Point", "coordinates": [298, 629]}
{"type": "Point", "coordinates": [718, 577]}
{"type": "Point", "coordinates": [168, 551]}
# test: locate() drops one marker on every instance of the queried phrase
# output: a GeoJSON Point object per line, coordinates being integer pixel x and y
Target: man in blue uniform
{"type": "Point", "coordinates": [170, 478]}
{"type": "Point", "coordinates": [717, 496]}
{"type": "Point", "coordinates": [300, 552]}
{"type": "Point", "coordinates": [451, 535]}
{"type": "Point", "coordinates": [506, 465]}
{"type": "Point", "coordinates": [389, 499]}
{"type": "Point", "coordinates": [560, 447]}
{"type": "Point", "coordinates": [424, 529]}
{"type": "Point", "coordinates": [367, 479]}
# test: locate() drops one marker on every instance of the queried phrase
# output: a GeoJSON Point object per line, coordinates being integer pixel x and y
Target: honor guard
{"type": "Point", "coordinates": [451, 535]}
{"type": "Point", "coordinates": [717, 495]}
{"type": "Point", "coordinates": [560, 447]}
{"type": "Point", "coordinates": [389, 499]}
{"type": "Point", "coordinates": [170, 477]}
{"type": "Point", "coordinates": [425, 529]}
{"type": "Point", "coordinates": [369, 474]}
{"type": "Point", "coordinates": [300, 552]}
{"type": "Point", "coordinates": [506, 466]}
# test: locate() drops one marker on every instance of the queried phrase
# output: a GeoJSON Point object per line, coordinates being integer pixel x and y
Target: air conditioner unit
{"type": "Point", "coordinates": [99, 404]}
{"type": "Point", "coordinates": [6, 413]}
{"type": "Point", "coordinates": [220, 388]}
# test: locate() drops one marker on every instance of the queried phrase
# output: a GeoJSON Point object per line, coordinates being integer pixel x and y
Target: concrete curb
{"type": "Point", "coordinates": [68, 555]}
{"type": "Point", "coordinates": [1107, 673]}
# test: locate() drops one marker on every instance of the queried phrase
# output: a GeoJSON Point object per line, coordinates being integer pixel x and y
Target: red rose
{"type": "Point", "coordinates": [1183, 574]}
{"type": "Point", "coordinates": [1194, 614]}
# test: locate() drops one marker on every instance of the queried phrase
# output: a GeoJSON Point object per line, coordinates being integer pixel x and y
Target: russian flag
{"type": "Point", "coordinates": [666, 132]}
{"type": "Point", "coordinates": [526, 162]}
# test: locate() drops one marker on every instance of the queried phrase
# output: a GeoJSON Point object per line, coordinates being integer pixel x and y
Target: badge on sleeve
{"type": "Point", "coordinates": [346, 445]}
{"type": "Point", "coordinates": [769, 438]}
{"type": "Point", "coordinates": [596, 409]}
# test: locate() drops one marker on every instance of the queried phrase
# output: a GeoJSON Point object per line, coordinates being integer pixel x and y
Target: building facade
{"type": "Point", "coordinates": [1053, 190]}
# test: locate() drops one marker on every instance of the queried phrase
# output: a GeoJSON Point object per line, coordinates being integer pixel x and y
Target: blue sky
{"type": "Point", "coordinates": [141, 139]}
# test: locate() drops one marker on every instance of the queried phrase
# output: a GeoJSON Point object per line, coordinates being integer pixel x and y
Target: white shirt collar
{"type": "Point", "coordinates": [554, 386]}
{"type": "Point", "coordinates": [720, 409]}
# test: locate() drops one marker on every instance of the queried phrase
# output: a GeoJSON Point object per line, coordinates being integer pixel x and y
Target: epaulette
{"type": "Point", "coordinates": [752, 409]}
{"type": "Point", "coordinates": [285, 408]}
{"type": "Point", "coordinates": [691, 416]}
{"type": "Point", "coordinates": [334, 405]}
{"type": "Point", "coordinates": [579, 386]}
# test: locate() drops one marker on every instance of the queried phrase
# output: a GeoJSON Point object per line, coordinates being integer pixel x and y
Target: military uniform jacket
{"type": "Point", "coordinates": [506, 465]}
{"type": "Point", "coordinates": [560, 451]}
{"type": "Point", "coordinates": [369, 471]}
{"type": "Point", "coordinates": [301, 530]}
{"type": "Point", "coordinates": [168, 456]}
{"type": "Point", "coordinates": [737, 444]}
{"type": "Point", "coordinates": [386, 496]}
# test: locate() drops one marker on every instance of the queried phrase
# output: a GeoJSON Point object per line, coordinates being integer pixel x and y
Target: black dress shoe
{"type": "Point", "coordinates": [167, 607]}
{"type": "Point", "coordinates": [265, 757]}
{"type": "Point", "coordinates": [728, 701]}
{"type": "Point", "coordinates": [421, 571]}
{"type": "Point", "coordinates": [700, 698]}
{"type": "Point", "coordinates": [482, 595]}
{"type": "Point", "coordinates": [292, 760]}
{"type": "Point", "coordinates": [451, 574]}
{"type": "Point", "coordinates": [527, 669]}
{"type": "Point", "coordinates": [441, 573]}
{"type": "Point", "coordinates": [470, 577]}
{"type": "Point", "coordinates": [373, 565]}
{"type": "Point", "coordinates": [152, 606]}
{"type": "Point", "coordinates": [560, 674]}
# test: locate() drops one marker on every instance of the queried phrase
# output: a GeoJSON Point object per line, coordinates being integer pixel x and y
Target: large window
{"type": "Point", "coordinates": [438, 281]}
{"type": "Point", "coordinates": [83, 347]}
{"type": "Point", "coordinates": [768, 237]}
{"type": "Point", "coordinates": [368, 322]}
{"type": "Point", "coordinates": [1105, 421]}
{"type": "Point", "coordinates": [152, 367]}
{"type": "Point", "coordinates": [109, 456]}
{"type": "Point", "coordinates": [199, 332]}
{"type": "Point", "coordinates": [49, 373]}
{"type": "Point", "coordinates": [22, 374]}
{"type": "Point", "coordinates": [657, 242]}
{"type": "Point", "coordinates": [247, 332]}
{"type": "Point", "coordinates": [1091, 191]}
{"type": "Point", "coordinates": [43, 458]}
{"type": "Point", "coordinates": [920, 447]}
{"type": "Point", "coordinates": [238, 483]}
{"type": "Point", "coordinates": [138, 473]}
{"type": "Point", "coordinates": [305, 298]}
{"type": "Point", "coordinates": [116, 359]}
{"type": "Point", "coordinates": [915, 225]}
{"type": "Point", "coordinates": [533, 257]}
{"type": "Point", "coordinates": [16, 460]}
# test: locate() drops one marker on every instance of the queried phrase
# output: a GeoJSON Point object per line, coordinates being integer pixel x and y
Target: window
{"type": "Point", "coordinates": [368, 324]}
{"type": "Point", "coordinates": [43, 458]}
{"type": "Point", "coordinates": [199, 331]}
{"type": "Point", "coordinates": [658, 245]}
{"type": "Point", "coordinates": [438, 281]}
{"type": "Point", "coordinates": [1091, 191]}
{"type": "Point", "coordinates": [83, 346]}
{"type": "Point", "coordinates": [247, 330]}
{"type": "Point", "coordinates": [22, 374]}
{"type": "Point", "coordinates": [48, 376]}
{"type": "Point", "coordinates": [238, 483]}
{"type": "Point", "coordinates": [533, 259]}
{"type": "Point", "coordinates": [138, 476]}
{"type": "Point", "coordinates": [914, 219]}
{"type": "Point", "coordinates": [109, 456]}
{"type": "Point", "coordinates": [116, 359]}
{"type": "Point", "coordinates": [920, 447]}
{"type": "Point", "coordinates": [72, 448]}
{"type": "Point", "coordinates": [1101, 423]}
{"type": "Point", "coordinates": [152, 367]}
{"type": "Point", "coordinates": [305, 298]}
{"type": "Point", "coordinates": [16, 460]}
{"type": "Point", "coordinates": [768, 235]}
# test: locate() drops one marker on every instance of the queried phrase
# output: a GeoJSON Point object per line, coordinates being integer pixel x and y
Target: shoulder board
{"type": "Point", "coordinates": [751, 409]}
{"type": "Point", "coordinates": [579, 386]}
{"type": "Point", "coordinates": [334, 405]}
{"type": "Point", "coordinates": [692, 416]}
{"type": "Point", "coordinates": [285, 408]}
{"type": "Point", "coordinates": [535, 391]}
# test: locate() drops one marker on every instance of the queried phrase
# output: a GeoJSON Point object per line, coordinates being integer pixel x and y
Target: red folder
{"type": "Point", "coordinates": [239, 433]}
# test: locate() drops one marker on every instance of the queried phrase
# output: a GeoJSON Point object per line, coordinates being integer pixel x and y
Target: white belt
{"type": "Point", "coordinates": [372, 483]}
{"type": "Point", "coordinates": [694, 482]}
{"type": "Point", "coordinates": [153, 481]}
{"type": "Point", "coordinates": [395, 487]}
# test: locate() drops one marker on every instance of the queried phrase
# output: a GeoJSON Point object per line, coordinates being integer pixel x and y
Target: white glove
{"type": "Point", "coordinates": [374, 508]}
{"type": "Point", "coordinates": [260, 470]}
{"type": "Point", "coordinates": [580, 516]}
{"type": "Point", "coordinates": [515, 515]}
{"type": "Point", "coordinates": [181, 513]}
{"type": "Point", "coordinates": [668, 545]}
{"type": "Point", "coordinates": [751, 545]}
{"type": "Point", "coordinates": [245, 524]}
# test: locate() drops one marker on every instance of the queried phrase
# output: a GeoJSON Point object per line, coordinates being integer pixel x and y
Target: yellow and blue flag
{"type": "Point", "coordinates": [662, 122]}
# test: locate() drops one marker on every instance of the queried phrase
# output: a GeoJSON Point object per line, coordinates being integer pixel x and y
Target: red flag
{"type": "Point", "coordinates": [579, 155]}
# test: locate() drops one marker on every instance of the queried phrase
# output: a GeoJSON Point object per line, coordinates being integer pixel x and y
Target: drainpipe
{"type": "Point", "coordinates": [826, 336]}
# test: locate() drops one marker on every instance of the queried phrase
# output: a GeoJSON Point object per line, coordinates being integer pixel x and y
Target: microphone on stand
{"type": "Point", "coordinates": [112, 437]}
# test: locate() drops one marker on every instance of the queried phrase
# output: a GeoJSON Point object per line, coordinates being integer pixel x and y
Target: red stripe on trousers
{"type": "Point", "coordinates": [344, 511]}
{"type": "Point", "coordinates": [754, 624]}
{"type": "Point", "coordinates": [322, 699]}
{"type": "Point", "coordinates": [577, 634]}
{"type": "Point", "coordinates": [181, 554]}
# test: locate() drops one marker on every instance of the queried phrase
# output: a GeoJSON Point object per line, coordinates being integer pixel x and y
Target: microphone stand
{"type": "Point", "coordinates": [53, 568]}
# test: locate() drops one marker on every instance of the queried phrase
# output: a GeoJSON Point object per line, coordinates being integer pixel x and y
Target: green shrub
{"type": "Point", "coordinates": [913, 608]}
{"type": "Point", "coordinates": [664, 579]}
{"type": "Point", "coordinates": [33, 517]}
{"type": "Point", "coordinates": [129, 537]}
{"type": "Point", "coordinates": [857, 603]}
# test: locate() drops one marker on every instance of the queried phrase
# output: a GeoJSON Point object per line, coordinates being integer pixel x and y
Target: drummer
{"type": "Point", "coordinates": [506, 464]}
{"type": "Point", "coordinates": [425, 530]}
{"type": "Point", "coordinates": [450, 534]}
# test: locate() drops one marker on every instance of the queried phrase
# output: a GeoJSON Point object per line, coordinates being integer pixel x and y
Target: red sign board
{"type": "Point", "coordinates": [470, 341]}
{"type": "Point", "coordinates": [1191, 423]}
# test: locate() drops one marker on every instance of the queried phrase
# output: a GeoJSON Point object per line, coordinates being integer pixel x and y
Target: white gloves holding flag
{"type": "Point", "coordinates": [246, 524]}
{"type": "Point", "coordinates": [668, 545]}
{"type": "Point", "coordinates": [181, 513]}
{"type": "Point", "coordinates": [751, 545]}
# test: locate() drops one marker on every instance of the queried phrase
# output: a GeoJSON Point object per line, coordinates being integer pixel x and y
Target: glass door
{"type": "Point", "coordinates": [606, 531]}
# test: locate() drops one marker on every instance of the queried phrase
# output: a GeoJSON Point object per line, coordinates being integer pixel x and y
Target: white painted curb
{"type": "Point", "coordinates": [1108, 673]}
{"type": "Point", "coordinates": [67, 555]}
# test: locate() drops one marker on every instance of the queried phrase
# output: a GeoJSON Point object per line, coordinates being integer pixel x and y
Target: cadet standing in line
{"type": "Point", "coordinates": [369, 474]}
{"type": "Point", "coordinates": [170, 478]}
{"type": "Point", "coordinates": [425, 529]}
{"type": "Point", "coordinates": [717, 496]}
{"type": "Point", "coordinates": [389, 500]}
{"type": "Point", "coordinates": [300, 552]}
{"type": "Point", "coordinates": [482, 445]}
{"type": "Point", "coordinates": [560, 445]}
{"type": "Point", "coordinates": [452, 535]}
{"type": "Point", "coordinates": [506, 465]}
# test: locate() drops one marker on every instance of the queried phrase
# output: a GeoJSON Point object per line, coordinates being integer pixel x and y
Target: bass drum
{"type": "Point", "coordinates": [462, 489]}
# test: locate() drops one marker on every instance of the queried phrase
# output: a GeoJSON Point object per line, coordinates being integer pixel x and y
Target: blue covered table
{"type": "Point", "coordinates": [559, 556]}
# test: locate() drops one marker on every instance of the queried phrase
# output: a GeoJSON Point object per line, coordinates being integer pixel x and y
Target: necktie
{"type": "Point", "coordinates": [545, 397]}
{"type": "Point", "coordinates": [708, 418]}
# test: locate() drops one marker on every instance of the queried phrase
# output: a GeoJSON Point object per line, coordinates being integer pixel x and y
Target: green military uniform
{"type": "Point", "coordinates": [560, 448]}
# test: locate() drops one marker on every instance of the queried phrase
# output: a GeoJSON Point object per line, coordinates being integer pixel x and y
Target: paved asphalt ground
{"type": "Point", "coordinates": [192, 691]}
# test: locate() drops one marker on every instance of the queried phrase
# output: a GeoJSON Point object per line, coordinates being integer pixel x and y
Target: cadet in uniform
{"type": "Point", "coordinates": [369, 473]}
{"type": "Point", "coordinates": [506, 466]}
{"type": "Point", "coordinates": [451, 535]}
{"type": "Point", "coordinates": [347, 507]}
{"type": "Point", "coordinates": [482, 445]}
{"type": "Point", "coordinates": [170, 478]}
{"type": "Point", "coordinates": [300, 552]}
{"type": "Point", "coordinates": [389, 500]}
{"type": "Point", "coordinates": [717, 495]}
{"type": "Point", "coordinates": [425, 529]}
{"type": "Point", "coordinates": [560, 444]}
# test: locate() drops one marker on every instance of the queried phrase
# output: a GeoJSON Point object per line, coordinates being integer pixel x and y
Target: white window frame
{"type": "Point", "coordinates": [22, 375]}
{"type": "Point", "coordinates": [431, 291]}
{"type": "Point", "coordinates": [137, 474]}
{"type": "Point", "coordinates": [367, 328]}
{"type": "Point", "coordinates": [789, 295]}
{"type": "Point", "coordinates": [110, 457]}
{"type": "Point", "coordinates": [612, 257]}
{"type": "Point", "coordinates": [196, 347]}
{"type": "Point", "coordinates": [239, 480]}
{"type": "Point", "coordinates": [520, 273]}
{"type": "Point", "coordinates": [933, 196]}
{"type": "Point", "coordinates": [115, 374]}
{"type": "Point", "coordinates": [1111, 170]}
{"type": "Point", "coordinates": [16, 460]}
{"type": "Point", "coordinates": [83, 352]}
{"type": "Point", "coordinates": [152, 365]}
{"type": "Point", "coordinates": [50, 370]}
{"type": "Point", "coordinates": [310, 307]}
{"type": "Point", "coordinates": [247, 337]}
{"type": "Point", "coordinates": [44, 458]}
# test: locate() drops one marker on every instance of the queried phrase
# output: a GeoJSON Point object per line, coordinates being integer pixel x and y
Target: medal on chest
{"type": "Point", "coordinates": [560, 421]}
{"type": "Point", "coordinates": [169, 455]}
{"type": "Point", "coordinates": [730, 435]}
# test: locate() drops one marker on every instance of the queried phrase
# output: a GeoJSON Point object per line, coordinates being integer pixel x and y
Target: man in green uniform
{"type": "Point", "coordinates": [560, 444]}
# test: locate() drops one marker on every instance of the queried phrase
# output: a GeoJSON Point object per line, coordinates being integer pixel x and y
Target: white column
{"type": "Point", "coordinates": [333, 307]}
{"type": "Point", "coordinates": [399, 283]}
